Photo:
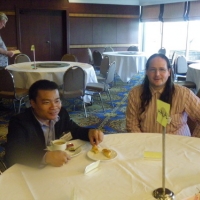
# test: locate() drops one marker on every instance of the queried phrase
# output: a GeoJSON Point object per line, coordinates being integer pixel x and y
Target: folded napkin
{"type": "Point", "coordinates": [152, 155]}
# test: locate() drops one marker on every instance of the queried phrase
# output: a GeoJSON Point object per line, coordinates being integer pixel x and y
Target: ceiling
{"type": "Point", "coordinates": [127, 2]}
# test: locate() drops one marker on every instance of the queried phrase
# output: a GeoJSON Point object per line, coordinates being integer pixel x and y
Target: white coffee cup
{"type": "Point", "coordinates": [58, 145]}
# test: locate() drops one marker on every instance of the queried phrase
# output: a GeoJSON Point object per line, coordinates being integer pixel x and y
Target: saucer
{"type": "Point", "coordinates": [100, 156]}
{"type": "Point", "coordinates": [70, 153]}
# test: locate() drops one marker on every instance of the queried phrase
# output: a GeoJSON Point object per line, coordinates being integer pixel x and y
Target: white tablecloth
{"type": "Point", "coordinates": [25, 75]}
{"type": "Point", "coordinates": [127, 63]}
{"type": "Point", "coordinates": [193, 74]}
{"type": "Point", "coordinates": [129, 176]}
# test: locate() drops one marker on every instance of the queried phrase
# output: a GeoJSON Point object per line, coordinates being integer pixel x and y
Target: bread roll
{"type": "Point", "coordinates": [107, 153]}
{"type": "Point", "coordinates": [95, 149]}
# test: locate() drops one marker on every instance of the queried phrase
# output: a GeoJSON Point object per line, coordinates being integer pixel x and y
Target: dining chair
{"type": "Point", "coordinates": [174, 55]}
{"type": "Point", "coordinates": [180, 67]}
{"type": "Point", "coordinates": [20, 58]}
{"type": "Point", "coordinates": [182, 81]}
{"type": "Point", "coordinates": [162, 50]}
{"type": "Point", "coordinates": [98, 88]}
{"type": "Point", "coordinates": [103, 69]}
{"type": "Point", "coordinates": [74, 82]}
{"type": "Point", "coordinates": [180, 70]}
{"type": "Point", "coordinates": [172, 62]}
{"type": "Point", "coordinates": [9, 91]}
{"type": "Point", "coordinates": [90, 60]}
{"type": "Point", "coordinates": [108, 49]}
{"type": "Point", "coordinates": [133, 48]}
{"type": "Point", "coordinates": [97, 58]}
{"type": "Point", "coordinates": [69, 57]}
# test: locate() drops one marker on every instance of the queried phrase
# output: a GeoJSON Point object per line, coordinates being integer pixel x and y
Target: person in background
{"type": "Point", "coordinates": [4, 54]}
{"type": "Point", "coordinates": [29, 133]}
{"type": "Point", "coordinates": [141, 113]}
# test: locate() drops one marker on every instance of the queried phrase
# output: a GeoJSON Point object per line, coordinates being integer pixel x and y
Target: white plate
{"type": "Point", "coordinates": [70, 153]}
{"type": "Point", "coordinates": [100, 156]}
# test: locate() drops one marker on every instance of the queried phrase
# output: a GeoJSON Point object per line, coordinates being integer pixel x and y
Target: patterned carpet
{"type": "Point", "coordinates": [113, 119]}
{"type": "Point", "coordinates": [110, 121]}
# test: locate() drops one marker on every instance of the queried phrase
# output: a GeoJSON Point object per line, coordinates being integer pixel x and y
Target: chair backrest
{"type": "Point", "coordinates": [104, 66]}
{"type": "Point", "coordinates": [162, 51]}
{"type": "Point", "coordinates": [111, 73]}
{"type": "Point", "coordinates": [97, 58]}
{"type": "Point", "coordinates": [69, 57]}
{"type": "Point", "coordinates": [74, 82]}
{"type": "Point", "coordinates": [181, 65]}
{"type": "Point", "coordinates": [91, 61]}
{"type": "Point", "coordinates": [173, 58]}
{"type": "Point", "coordinates": [7, 84]}
{"type": "Point", "coordinates": [108, 49]}
{"type": "Point", "coordinates": [20, 58]}
{"type": "Point", "coordinates": [133, 48]}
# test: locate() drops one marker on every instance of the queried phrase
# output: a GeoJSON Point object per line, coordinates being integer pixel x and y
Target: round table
{"type": "Point", "coordinates": [130, 175]}
{"type": "Point", "coordinates": [25, 75]}
{"type": "Point", "coordinates": [128, 63]}
{"type": "Point", "coordinates": [193, 74]}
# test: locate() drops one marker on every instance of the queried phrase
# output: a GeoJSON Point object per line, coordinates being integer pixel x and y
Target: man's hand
{"type": "Point", "coordinates": [56, 158]}
{"type": "Point", "coordinates": [95, 136]}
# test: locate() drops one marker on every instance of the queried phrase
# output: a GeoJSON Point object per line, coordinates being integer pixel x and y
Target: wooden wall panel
{"type": "Point", "coordinates": [127, 31]}
{"type": "Point", "coordinates": [103, 25]}
{"type": "Point", "coordinates": [81, 54]}
{"type": "Point", "coordinates": [103, 9]}
{"type": "Point", "coordinates": [57, 34]}
{"type": "Point", "coordinates": [104, 30]}
{"type": "Point", "coordinates": [81, 31]}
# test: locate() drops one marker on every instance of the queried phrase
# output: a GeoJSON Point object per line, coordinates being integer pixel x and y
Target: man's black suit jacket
{"type": "Point", "coordinates": [25, 138]}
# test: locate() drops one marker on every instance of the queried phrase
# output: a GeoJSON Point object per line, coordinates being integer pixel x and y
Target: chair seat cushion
{"type": "Point", "coordinates": [19, 93]}
{"type": "Point", "coordinates": [188, 84]}
{"type": "Point", "coordinates": [97, 87]}
{"type": "Point", "coordinates": [7, 95]}
{"type": "Point", "coordinates": [71, 94]}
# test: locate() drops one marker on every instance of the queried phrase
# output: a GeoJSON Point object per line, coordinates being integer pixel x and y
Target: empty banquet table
{"type": "Point", "coordinates": [128, 63]}
{"type": "Point", "coordinates": [25, 75]}
{"type": "Point", "coordinates": [193, 74]}
{"type": "Point", "coordinates": [129, 174]}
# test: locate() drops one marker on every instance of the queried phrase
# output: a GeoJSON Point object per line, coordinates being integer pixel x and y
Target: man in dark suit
{"type": "Point", "coordinates": [30, 132]}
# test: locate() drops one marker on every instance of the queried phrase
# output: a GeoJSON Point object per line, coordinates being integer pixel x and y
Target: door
{"type": "Point", "coordinates": [45, 29]}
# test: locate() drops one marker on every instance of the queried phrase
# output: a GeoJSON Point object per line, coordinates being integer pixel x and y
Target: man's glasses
{"type": "Point", "coordinates": [161, 70]}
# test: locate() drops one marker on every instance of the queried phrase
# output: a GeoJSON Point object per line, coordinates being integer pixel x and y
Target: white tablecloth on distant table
{"type": "Point", "coordinates": [193, 74]}
{"type": "Point", "coordinates": [128, 176]}
{"type": "Point", "coordinates": [128, 63]}
{"type": "Point", "coordinates": [25, 75]}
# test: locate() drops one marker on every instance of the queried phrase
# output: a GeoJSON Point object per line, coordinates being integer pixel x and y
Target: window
{"type": "Point", "coordinates": [152, 32]}
{"type": "Point", "coordinates": [174, 37]}
{"type": "Point", "coordinates": [193, 40]}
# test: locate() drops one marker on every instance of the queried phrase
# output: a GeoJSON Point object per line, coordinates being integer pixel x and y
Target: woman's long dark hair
{"type": "Point", "coordinates": [168, 91]}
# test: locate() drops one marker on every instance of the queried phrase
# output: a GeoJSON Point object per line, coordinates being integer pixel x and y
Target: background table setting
{"type": "Point", "coordinates": [193, 74]}
{"type": "Point", "coordinates": [25, 73]}
{"type": "Point", "coordinates": [133, 172]}
{"type": "Point", "coordinates": [128, 63]}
